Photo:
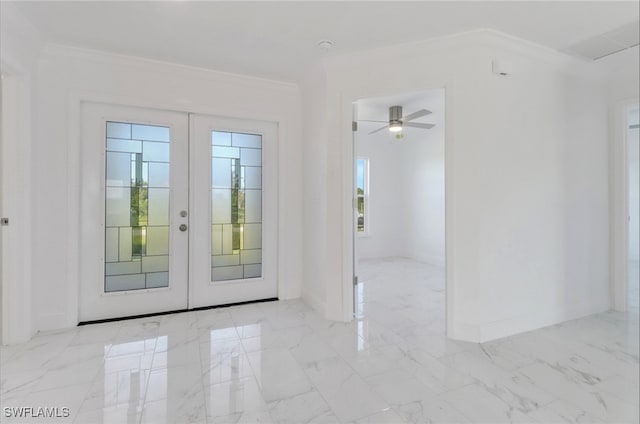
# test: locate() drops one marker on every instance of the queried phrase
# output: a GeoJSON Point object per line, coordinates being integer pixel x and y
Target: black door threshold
{"type": "Point", "coordinates": [177, 311]}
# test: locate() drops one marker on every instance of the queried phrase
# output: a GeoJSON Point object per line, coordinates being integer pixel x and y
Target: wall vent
{"type": "Point", "coordinates": [606, 44]}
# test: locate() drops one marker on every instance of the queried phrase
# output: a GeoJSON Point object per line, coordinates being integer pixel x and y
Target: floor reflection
{"type": "Point", "coordinates": [282, 362]}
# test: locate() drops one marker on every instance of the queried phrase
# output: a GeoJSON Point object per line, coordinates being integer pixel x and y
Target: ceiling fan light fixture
{"type": "Point", "coordinates": [395, 126]}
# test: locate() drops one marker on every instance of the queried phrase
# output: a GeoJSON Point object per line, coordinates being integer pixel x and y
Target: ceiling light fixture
{"type": "Point", "coordinates": [395, 126]}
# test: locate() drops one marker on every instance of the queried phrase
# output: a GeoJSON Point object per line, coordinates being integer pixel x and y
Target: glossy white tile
{"type": "Point", "coordinates": [282, 362]}
{"type": "Point", "coordinates": [388, 416]}
{"type": "Point", "coordinates": [309, 407]}
{"type": "Point", "coordinates": [430, 410]}
{"type": "Point", "coordinates": [398, 387]}
{"type": "Point", "coordinates": [278, 374]}
{"type": "Point", "coordinates": [241, 396]}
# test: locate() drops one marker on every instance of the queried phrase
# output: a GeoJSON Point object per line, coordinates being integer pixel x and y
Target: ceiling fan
{"type": "Point", "coordinates": [397, 122]}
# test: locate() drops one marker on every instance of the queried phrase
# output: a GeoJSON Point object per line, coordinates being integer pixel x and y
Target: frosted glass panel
{"type": "Point", "coordinates": [137, 181]}
{"type": "Point", "coordinates": [253, 177]}
{"type": "Point", "coordinates": [225, 152]}
{"type": "Point", "coordinates": [220, 206]}
{"type": "Point", "coordinates": [130, 146]}
{"type": "Point", "coordinates": [220, 138]}
{"type": "Point", "coordinates": [227, 273]}
{"type": "Point", "coordinates": [236, 205]}
{"type": "Point", "coordinates": [157, 279]}
{"type": "Point", "coordinates": [155, 263]}
{"type": "Point", "coordinates": [253, 206]}
{"type": "Point", "coordinates": [158, 206]}
{"type": "Point", "coordinates": [118, 206]}
{"type": "Point", "coordinates": [119, 268]}
{"type": "Point", "coordinates": [118, 169]}
{"type": "Point", "coordinates": [216, 239]}
{"type": "Point", "coordinates": [221, 173]}
{"type": "Point", "coordinates": [158, 174]}
{"type": "Point", "coordinates": [251, 256]}
{"type": "Point", "coordinates": [253, 271]}
{"type": "Point", "coordinates": [124, 282]}
{"type": "Point", "coordinates": [251, 157]}
{"type": "Point", "coordinates": [157, 241]}
{"type": "Point", "coordinates": [253, 236]}
{"type": "Point", "coordinates": [111, 245]}
{"type": "Point", "coordinates": [150, 132]}
{"type": "Point", "coordinates": [155, 151]}
{"type": "Point", "coordinates": [118, 130]}
{"type": "Point", "coordinates": [226, 260]}
{"type": "Point", "coordinates": [247, 140]}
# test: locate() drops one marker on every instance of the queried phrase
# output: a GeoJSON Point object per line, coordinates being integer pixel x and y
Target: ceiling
{"type": "Point", "coordinates": [278, 39]}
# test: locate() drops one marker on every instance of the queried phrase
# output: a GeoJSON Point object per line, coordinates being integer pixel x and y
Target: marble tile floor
{"type": "Point", "coordinates": [280, 362]}
{"type": "Point", "coordinates": [633, 292]}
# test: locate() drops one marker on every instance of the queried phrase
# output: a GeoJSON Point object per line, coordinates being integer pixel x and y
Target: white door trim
{"type": "Point", "coordinates": [619, 204]}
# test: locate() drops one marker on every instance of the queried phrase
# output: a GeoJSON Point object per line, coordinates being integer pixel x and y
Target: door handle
{"type": "Point", "coordinates": [183, 227]}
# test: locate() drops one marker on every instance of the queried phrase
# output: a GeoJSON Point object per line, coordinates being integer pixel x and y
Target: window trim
{"type": "Point", "coordinates": [366, 197]}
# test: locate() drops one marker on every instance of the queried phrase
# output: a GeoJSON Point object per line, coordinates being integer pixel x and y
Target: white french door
{"type": "Point", "coordinates": [173, 219]}
{"type": "Point", "coordinates": [234, 206]}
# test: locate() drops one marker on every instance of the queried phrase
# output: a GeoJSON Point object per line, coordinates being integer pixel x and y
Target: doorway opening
{"type": "Point", "coordinates": [399, 215]}
{"type": "Point", "coordinates": [633, 202]}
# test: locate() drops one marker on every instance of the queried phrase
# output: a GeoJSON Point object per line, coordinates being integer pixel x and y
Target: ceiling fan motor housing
{"type": "Point", "coordinates": [395, 115]}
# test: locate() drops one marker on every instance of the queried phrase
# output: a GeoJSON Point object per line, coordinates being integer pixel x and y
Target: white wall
{"type": "Point", "coordinates": [314, 125]}
{"type": "Point", "coordinates": [423, 159]}
{"type": "Point", "coordinates": [68, 76]}
{"type": "Point", "coordinates": [585, 202]}
{"type": "Point", "coordinates": [523, 209]}
{"type": "Point", "coordinates": [387, 213]}
{"type": "Point", "coordinates": [20, 46]}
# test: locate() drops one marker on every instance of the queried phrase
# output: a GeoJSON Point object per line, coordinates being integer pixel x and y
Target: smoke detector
{"type": "Point", "coordinates": [325, 45]}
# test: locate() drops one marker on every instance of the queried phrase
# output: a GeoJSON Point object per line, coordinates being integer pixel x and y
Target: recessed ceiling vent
{"type": "Point", "coordinates": [606, 44]}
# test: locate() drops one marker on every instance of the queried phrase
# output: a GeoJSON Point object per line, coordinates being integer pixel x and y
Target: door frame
{"type": "Point", "coordinates": [619, 204]}
{"type": "Point", "coordinates": [346, 100]}
{"type": "Point", "coordinates": [355, 157]}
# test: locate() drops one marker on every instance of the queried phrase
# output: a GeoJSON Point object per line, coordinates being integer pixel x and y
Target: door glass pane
{"type": "Point", "coordinates": [136, 207]}
{"type": "Point", "coordinates": [236, 206]}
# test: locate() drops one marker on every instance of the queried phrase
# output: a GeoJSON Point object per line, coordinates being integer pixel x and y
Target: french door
{"type": "Point", "coordinates": [234, 206]}
{"type": "Point", "coordinates": [177, 211]}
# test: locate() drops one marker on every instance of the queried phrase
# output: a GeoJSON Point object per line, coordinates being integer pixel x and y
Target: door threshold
{"type": "Point", "coordinates": [177, 311]}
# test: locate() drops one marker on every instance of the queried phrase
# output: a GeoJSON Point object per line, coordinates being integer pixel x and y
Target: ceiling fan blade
{"type": "Point", "coordinates": [415, 115]}
{"type": "Point", "coordinates": [379, 129]}
{"type": "Point", "coordinates": [418, 125]}
{"type": "Point", "coordinates": [369, 120]}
